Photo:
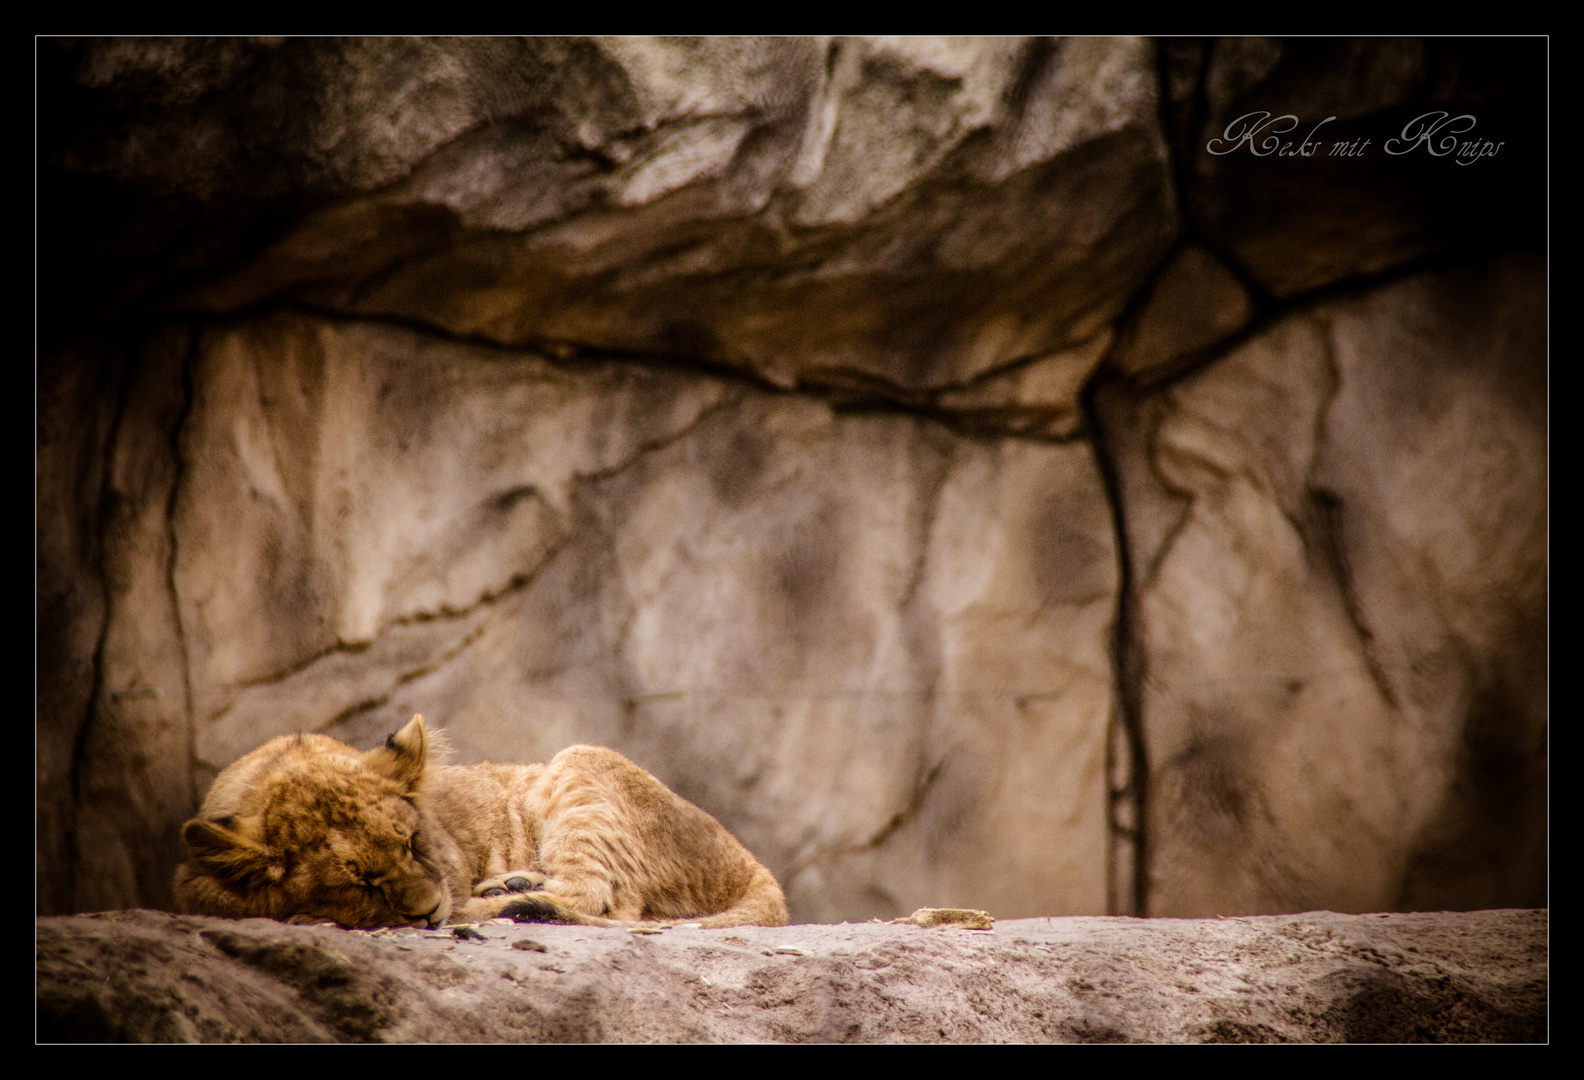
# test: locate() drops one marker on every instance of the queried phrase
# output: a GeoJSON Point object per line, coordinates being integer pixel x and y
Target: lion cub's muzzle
{"type": "Point", "coordinates": [423, 902]}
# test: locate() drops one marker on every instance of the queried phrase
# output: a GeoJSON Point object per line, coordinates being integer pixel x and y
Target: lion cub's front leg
{"type": "Point", "coordinates": [512, 881]}
{"type": "Point", "coordinates": [492, 896]}
{"type": "Point", "coordinates": [519, 895]}
{"type": "Point", "coordinates": [527, 899]}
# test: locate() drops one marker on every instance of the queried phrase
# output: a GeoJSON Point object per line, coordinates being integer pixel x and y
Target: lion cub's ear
{"type": "Point", "coordinates": [404, 756]}
{"type": "Point", "coordinates": [228, 856]}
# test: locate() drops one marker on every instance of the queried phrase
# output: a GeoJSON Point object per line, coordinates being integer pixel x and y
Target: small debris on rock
{"type": "Point", "coordinates": [644, 930]}
{"type": "Point", "coordinates": [950, 918]}
{"type": "Point", "coordinates": [530, 945]}
{"type": "Point", "coordinates": [466, 932]}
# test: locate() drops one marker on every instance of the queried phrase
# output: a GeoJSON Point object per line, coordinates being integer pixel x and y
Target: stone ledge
{"type": "Point", "coordinates": [147, 976]}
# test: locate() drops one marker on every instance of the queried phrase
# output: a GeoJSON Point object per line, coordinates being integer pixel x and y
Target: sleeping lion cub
{"type": "Point", "coordinates": [307, 829]}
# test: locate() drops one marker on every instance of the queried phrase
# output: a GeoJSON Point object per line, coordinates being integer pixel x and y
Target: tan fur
{"type": "Point", "coordinates": [307, 829]}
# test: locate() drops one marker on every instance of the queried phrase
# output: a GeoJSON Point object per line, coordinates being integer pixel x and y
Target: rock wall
{"type": "Point", "coordinates": [927, 455]}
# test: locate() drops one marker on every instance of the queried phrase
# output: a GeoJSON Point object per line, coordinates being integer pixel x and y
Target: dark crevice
{"type": "Point", "coordinates": [660, 442]}
{"type": "Point", "coordinates": [1127, 891]}
{"type": "Point", "coordinates": [1191, 363]}
{"type": "Point", "coordinates": [845, 392]}
{"type": "Point", "coordinates": [1325, 538]}
{"type": "Point", "coordinates": [188, 363]}
{"type": "Point", "coordinates": [1324, 532]}
{"type": "Point", "coordinates": [976, 425]}
{"type": "Point", "coordinates": [1037, 56]}
{"type": "Point", "coordinates": [402, 680]}
{"type": "Point", "coordinates": [101, 517]}
{"type": "Point", "coordinates": [287, 672]}
{"type": "Point", "coordinates": [927, 526]}
{"type": "Point", "coordinates": [1181, 138]}
{"type": "Point", "coordinates": [1181, 129]}
{"type": "Point", "coordinates": [1168, 539]}
{"type": "Point", "coordinates": [1127, 662]}
{"type": "Point", "coordinates": [1007, 368]}
{"type": "Point", "coordinates": [516, 583]}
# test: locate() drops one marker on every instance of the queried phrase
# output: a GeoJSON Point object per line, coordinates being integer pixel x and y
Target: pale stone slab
{"type": "Point", "coordinates": [142, 976]}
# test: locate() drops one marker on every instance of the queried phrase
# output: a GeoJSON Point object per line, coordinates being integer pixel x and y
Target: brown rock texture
{"type": "Point", "coordinates": [963, 466]}
{"type": "Point", "coordinates": [143, 976]}
{"type": "Point", "coordinates": [1315, 689]}
{"type": "Point", "coordinates": [739, 201]}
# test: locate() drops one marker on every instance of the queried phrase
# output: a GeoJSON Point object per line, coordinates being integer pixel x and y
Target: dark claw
{"type": "Point", "coordinates": [496, 892]}
{"type": "Point", "coordinates": [519, 884]}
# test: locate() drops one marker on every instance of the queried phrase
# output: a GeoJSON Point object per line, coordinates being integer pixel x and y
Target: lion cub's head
{"type": "Point", "coordinates": [307, 829]}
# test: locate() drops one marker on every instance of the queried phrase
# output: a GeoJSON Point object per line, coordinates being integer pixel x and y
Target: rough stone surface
{"type": "Point", "coordinates": [142, 976]}
{"type": "Point", "coordinates": [1338, 542]}
{"type": "Point", "coordinates": [742, 201]}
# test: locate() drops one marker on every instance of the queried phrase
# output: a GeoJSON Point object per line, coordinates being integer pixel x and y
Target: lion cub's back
{"type": "Point", "coordinates": [679, 858]}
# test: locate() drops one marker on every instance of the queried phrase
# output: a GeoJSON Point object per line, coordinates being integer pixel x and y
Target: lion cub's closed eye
{"type": "Point", "coordinates": [305, 828]}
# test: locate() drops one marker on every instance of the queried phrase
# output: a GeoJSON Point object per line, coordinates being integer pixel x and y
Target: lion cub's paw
{"type": "Point", "coordinates": [512, 881]}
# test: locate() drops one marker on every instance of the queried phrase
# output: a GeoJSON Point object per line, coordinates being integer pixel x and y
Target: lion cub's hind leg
{"type": "Point", "coordinates": [620, 847]}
